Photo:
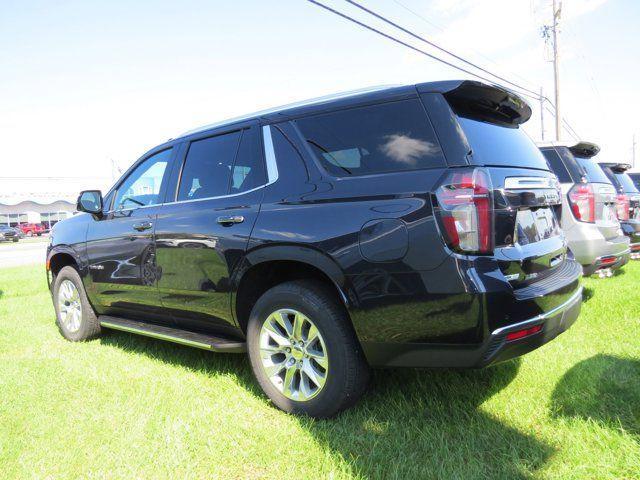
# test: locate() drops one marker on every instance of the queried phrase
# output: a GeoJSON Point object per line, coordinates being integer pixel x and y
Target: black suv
{"type": "Point", "coordinates": [404, 226]}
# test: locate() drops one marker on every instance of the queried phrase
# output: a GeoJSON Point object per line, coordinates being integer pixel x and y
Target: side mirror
{"type": "Point", "coordinates": [90, 201]}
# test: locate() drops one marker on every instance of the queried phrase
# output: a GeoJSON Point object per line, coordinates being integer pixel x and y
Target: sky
{"type": "Point", "coordinates": [86, 85]}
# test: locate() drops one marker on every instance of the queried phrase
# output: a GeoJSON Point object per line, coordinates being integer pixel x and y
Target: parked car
{"type": "Point", "coordinates": [8, 234]}
{"type": "Point", "coordinates": [18, 232]}
{"type": "Point", "coordinates": [628, 203]}
{"type": "Point", "coordinates": [635, 178]}
{"type": "Point", "coordinates": [31, 229]}
{"type": "Point", "coordinates": [589, 208]}
{"type": "Point", "coordinates": [409, 226]}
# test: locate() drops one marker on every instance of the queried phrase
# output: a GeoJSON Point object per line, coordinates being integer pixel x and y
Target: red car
{"type": "Point", "coordinates": [31, 229]}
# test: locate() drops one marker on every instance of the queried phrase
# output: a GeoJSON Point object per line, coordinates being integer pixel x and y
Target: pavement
{"type": "Point", "coordinates": [24, 252]}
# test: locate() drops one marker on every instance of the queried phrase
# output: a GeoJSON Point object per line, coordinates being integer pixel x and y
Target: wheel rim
{"type": "Point", "coordinates": [69, 306]}
{"type": "Point", "coordinates": [293, 354]}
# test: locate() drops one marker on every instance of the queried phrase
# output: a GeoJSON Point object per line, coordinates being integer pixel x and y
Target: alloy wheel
{"type": "Point", "coordinates": [69, 306]}
{"type": "Point", "coordinates": [293, 354]}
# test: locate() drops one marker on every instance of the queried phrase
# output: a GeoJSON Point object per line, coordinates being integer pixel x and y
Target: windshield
{"type": "Point", "coordinates": [493, 144]}
{"type": "Point", "coordinates": [594, 173]}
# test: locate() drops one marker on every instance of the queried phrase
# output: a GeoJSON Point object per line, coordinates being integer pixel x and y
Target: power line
{"type": "Point", "coordinates": [428, 42]}
{"type": "Point", "coordinates": [528, 93]}
{"type": "Point", "coordinates": [441, 29]}
{"type": "Point", "coordinates": [416, 49]}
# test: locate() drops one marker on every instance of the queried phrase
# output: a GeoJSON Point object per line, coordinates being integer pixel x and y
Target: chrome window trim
{"type": "Point", "coordinates": [272, 177]}
{"type": "Point", "coordinates": [269, 155]}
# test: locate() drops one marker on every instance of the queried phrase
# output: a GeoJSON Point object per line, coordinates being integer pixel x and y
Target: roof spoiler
{"type": "Point", "coordinates": [585, 149]}
{"type": "Point", "coordinates": [617, 167]}
{"type": "Point", "coordinates": [489, 103]}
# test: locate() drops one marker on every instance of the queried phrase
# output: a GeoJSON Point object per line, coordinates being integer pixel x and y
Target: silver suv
{"type": "Point", "coordinates": [588, 208]}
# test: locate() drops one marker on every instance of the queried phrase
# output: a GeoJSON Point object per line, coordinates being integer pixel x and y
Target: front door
{"type": "Point", "coordinates": [202, 236]}
{"type": "Point", "coordinates": [123, 273]}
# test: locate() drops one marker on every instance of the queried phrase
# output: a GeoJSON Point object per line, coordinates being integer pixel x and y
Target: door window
{"type": "Point", "coordinates": [142, 187]}
{"type": "Point", "coordinates": [248, 169]}
{"type": "Point", "coordinates": [207, 168]}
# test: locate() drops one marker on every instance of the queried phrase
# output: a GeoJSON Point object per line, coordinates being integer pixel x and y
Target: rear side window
{"type": "Point", "coordinates": [504, 146]}
{"type": "Point", "coordinates": [389, 137]}
{"type": "Point", "coordinates": [207, 168]}
{"type": "Point", "coordinates": [557, 165]}
{"type": "Point", "coordinates": [248, 168]}
{"type": "Point", "coordinates": [592, 170]}
{"type": "Point", "coordinates": [625, 181]}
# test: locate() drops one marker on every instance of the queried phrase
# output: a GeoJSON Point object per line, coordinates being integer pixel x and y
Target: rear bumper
{"type": "Point", "coordinates": [494, 349]}
{"type": "Point", "coordinates": [596, 253]}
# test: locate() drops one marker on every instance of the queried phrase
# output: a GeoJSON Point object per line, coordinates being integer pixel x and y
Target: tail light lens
{"type": "Point", "coordinates": [623, 206]}
{"type": "Point", "coordinates": [582, 201]}
{"type": "Point", "coordinates": [464, 208]}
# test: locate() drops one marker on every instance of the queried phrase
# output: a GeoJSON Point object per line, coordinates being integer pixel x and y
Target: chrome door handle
{"type": "Point", "coordinates": [142, 226]}
{"type": "Point", "coordinates": [229, 220]}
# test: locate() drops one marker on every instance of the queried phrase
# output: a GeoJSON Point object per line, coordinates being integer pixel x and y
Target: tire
{"type": "Point", "coordinates": [88, 326]}
{"type": "Point", "coordinates": [29, 234]}
{"type": "Point", "coordinates": [347, 375]}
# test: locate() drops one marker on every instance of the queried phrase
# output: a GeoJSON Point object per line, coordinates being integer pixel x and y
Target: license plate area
{"type": "Point", "coordinates": [535, 225]}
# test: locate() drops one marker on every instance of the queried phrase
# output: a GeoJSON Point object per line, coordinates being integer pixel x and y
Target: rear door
{"type": "Point", "coordinates": [202, 233]}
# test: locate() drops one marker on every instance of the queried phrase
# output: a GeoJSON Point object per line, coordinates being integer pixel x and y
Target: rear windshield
{"type": "Point", "coordinates": [625, 181]}
{"type": "Point", "coordinates": [388, 137]}
{"type": "Point", "coordinates": [592, 170]}
{"type": "Point", "coordinates": [635, 177]}
{"type": "Point", "coordinates": [493, 144]}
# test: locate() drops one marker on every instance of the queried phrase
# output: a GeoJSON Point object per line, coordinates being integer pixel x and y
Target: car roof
{"type": "Point", "coordinates": [361, 95]}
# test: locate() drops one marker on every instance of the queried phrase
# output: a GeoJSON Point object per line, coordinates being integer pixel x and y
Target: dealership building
{"type": "Point", "coordinates": [44, 200]}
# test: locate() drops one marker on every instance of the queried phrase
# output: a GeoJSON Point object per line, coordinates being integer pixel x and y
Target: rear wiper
{"type": "Point", "coordinates": [317, 145]}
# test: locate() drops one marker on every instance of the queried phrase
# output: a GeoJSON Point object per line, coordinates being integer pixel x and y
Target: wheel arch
{"type": "Point", "coordinates": [267, 267]}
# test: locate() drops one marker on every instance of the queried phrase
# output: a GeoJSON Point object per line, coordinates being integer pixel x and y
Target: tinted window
{"type": "Point", "coordinates": [381, 138]}
{"type": "Point", "coordinates": [592, 170]}
{"type": "Point", "coordinates": [248, 169]}
{"type": "Point", "coordinates": [207, 168]}
{"type": "Point", "coordinates": [142, 186]}
{"type": "Point", "coordinates": [557, 166]}
{"type": "Point", "coordinates": [635, 177]}
{"type": "Point", "coordinates": [625, 181]}
{"type": "Point", "coordinates": [493, 144]}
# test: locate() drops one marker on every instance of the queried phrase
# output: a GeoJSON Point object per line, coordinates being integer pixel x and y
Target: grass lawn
{"type": "Point", "coordinates": [125, 406]}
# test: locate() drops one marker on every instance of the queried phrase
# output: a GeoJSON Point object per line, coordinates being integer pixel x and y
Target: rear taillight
{"type": "Point", "coordinates": [582, 201]}
{"type": "Point", "coordinates": [465, 211]}
{"type": "Point", "coordinates": [623, 206]}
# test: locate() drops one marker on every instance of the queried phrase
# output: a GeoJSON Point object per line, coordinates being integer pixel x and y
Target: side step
{"type": "Point", "coordinates": [184, 337]}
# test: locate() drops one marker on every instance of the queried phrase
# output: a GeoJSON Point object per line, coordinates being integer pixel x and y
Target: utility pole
{"type": "Point", "coordinates": [633, 152]}
{"type": "Point", "coordinates": [557, 9]}
{"type": "Point", "coordinates": [541, 114]}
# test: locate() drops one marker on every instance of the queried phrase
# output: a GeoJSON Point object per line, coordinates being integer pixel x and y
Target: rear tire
{"type": "Point", "coordinates": [347, 373]}
{"type": "Point", "coordinates": [75, 317]}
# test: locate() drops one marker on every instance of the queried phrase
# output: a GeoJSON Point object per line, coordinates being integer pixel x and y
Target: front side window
{"type": "Point", "coordinates": [142, 187]}
{"type": "Point", "coordinates": [389, 137]}
{"type": "Point", "coordinates": [207, 168]}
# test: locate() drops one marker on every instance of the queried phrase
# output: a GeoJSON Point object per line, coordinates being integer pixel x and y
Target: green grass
{"type": "Point", "coordinates": [125, 406]}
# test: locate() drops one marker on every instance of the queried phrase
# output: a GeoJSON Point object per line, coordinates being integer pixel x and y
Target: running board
{"type": "Point", "coordinates": [184, 337]}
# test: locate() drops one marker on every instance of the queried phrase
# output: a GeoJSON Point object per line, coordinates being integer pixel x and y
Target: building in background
{"type": "Point", "coordinates": [43, 200]}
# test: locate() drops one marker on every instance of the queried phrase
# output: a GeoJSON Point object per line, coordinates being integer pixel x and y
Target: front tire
{"type": "Point", "coordinates": [304, 352]}
{"type": "Point", "coordinates": [75, 317]}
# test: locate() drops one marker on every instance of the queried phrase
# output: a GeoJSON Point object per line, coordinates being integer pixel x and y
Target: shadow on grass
{"type": "Point", "coordinates": [587, 294]}
{"type": "Point", "coordinates": [603, 388]}
{"type": "Point", "coordinates": [410, 424]}
{"type": "Point", "coordinates": [428, 424]}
